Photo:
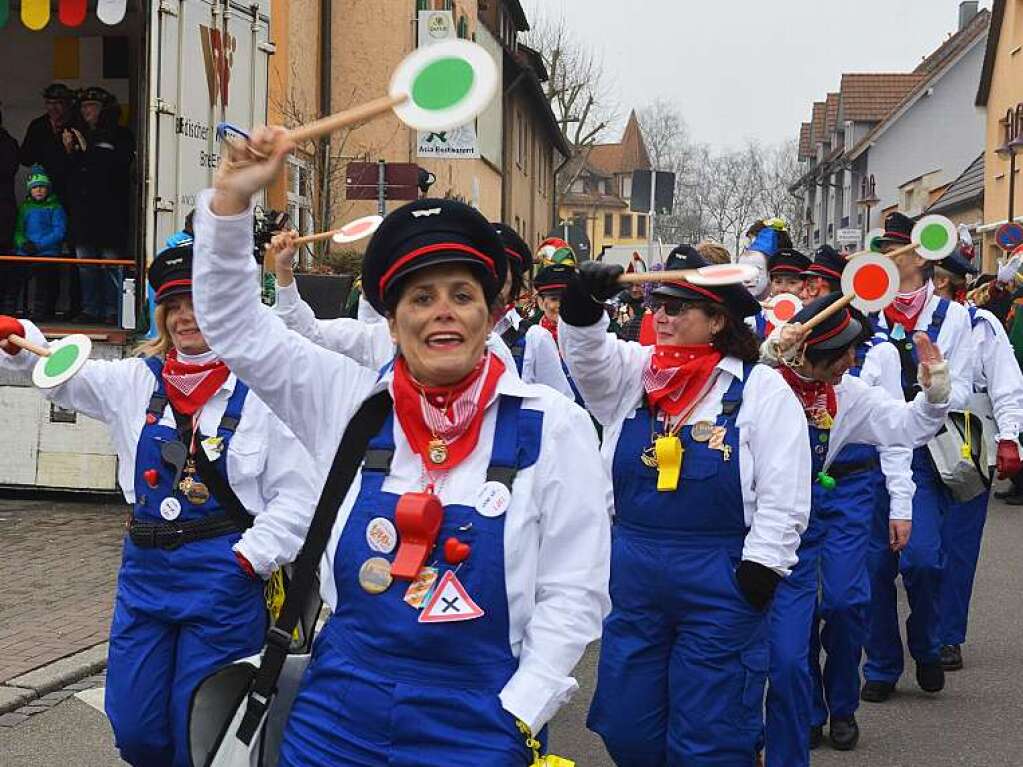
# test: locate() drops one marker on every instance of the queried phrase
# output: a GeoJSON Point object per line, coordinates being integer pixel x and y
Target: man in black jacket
{"type": "Point", "coordinates": [44, 143]}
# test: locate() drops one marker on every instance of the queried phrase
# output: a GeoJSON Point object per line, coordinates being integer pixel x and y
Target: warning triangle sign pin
{"type": "Point", "coordinates": [450, 602]}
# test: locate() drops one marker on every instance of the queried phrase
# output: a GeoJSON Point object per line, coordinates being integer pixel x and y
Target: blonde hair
{"type": "Point", "coordinates": [714, 252]}
{"type": "Point", "coordinates": [159, 346]}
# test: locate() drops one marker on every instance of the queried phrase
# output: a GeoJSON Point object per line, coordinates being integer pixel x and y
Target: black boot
{"type": "Point", "coordinates": [951, 657]}
{"type": "Point", "coordinates": [877, 692]}
{"type": "Point", "coordinates": [845, 733]}
{"type": "Point", "coordinates": [816, 736]}
{"type": "Point", "coordinates": [930, 677]}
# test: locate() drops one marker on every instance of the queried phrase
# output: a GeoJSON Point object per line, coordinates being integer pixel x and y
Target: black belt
{"type": "Point", "coordinates": [171, 535]}
{"type": "Point", "coordinates": [838, 471]}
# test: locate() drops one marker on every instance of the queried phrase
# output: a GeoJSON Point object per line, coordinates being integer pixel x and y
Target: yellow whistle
{"type": "Point", "coordinates": [669, 463]}
{"type": "Point", "coordinates": [965, 451]}
{"type": "Point", "coordinates": [552, 761]}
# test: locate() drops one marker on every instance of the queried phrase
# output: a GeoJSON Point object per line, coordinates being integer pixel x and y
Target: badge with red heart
{"type": "Point", "coordinates": [151, 477]}
{"type": "Point", "coordinates": [455, 551]}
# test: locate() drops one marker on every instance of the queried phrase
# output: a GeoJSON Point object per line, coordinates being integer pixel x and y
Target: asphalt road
{"type": "Point", "coordinates": [972, 723]}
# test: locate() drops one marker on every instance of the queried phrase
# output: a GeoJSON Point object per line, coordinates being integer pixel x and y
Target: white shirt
{"type": "Point", "coordinates": [270, 472]}
{"type": "Point", "coordinates": [774, 452]}
{"type": "Point", "coordinates": [557, 527]}
{"type": "Point", "coordinates": [367, 340]}
{"type": "Point", "coordinates": [996, 371]}
{"type": "Point", "coordinates": [541, 360]}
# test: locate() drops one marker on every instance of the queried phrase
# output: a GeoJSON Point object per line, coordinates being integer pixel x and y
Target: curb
{"type": "Point", "coordinates": [22, 690]}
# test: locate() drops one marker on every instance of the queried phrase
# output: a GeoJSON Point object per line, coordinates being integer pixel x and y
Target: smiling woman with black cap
{"type": "Point", "coordinates": [190, 590]}
{"type": "Point", "coordinates": [840, 411]}
{"type": "Point", "coordinates": [450, 644]}
{"type": "Point", "coordinates": [711, 477]}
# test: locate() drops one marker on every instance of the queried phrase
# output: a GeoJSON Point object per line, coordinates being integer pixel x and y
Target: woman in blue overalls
{"type": "Point", "coordinates": [711, 475]}
{"type": "Point", "coordinates": [841, 412]}
{"type": "Point", "coordinates": [452, 645]}
{"type": "Point", "coordinates": [190, 590]}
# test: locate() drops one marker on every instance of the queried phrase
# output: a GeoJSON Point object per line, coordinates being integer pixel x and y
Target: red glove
{"type": "Point", "coordinates": [10, 327]}
{"type": "Point", "coordinates": [245, 565]}
{"type": "Point", "coordinates": [1007, 462]}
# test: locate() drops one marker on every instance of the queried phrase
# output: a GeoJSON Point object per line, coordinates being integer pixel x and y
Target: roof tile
{"type": "Point", "coordinates": [869, 97]}
{"type": "Point", "coordinates": [805, 147]}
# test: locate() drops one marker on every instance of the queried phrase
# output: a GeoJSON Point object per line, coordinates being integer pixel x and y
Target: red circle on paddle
{"type": "Point", "coordinates": [785, 309]}
{"type": "Point", "coordinates": [871, 282]}
{"type": "Point", "coordinates": [356, 228]}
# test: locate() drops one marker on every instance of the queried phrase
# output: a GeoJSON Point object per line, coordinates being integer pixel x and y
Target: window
{"type": "Point", "coordinates": [626, 187]}
{"type": "Point", "coordinates": [541, 170]}
{"type": "Point", "coordinates": [609, 225]}
{"type": "Point", "coordinates": [579, 186]}
{"type": "Point", "coordinates": [520, 143]}
{"type": "Point", "coordinates": [300, 203]}
{"type": "Point", "coordinates": [625, 225]}
{"type": "Point", "coordinates": [641, 226]}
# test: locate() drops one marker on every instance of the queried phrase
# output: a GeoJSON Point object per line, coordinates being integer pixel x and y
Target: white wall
{"type": "Point", "coordinates": [942, 132]}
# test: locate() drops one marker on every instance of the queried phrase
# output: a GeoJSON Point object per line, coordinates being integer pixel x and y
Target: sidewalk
{"type": "Point", "coordinates": [58, 571]}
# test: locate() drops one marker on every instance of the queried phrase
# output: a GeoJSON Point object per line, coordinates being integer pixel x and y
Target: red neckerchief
{"type": "Point", "coordinates": [550, 326]}
{"type": "Point", "coordinates": [455, 413]}
{"type": "Point", "coordinates": [677, 374]}
{"type": "Point", "coordinates": [907, 307]}
{"type": "Point", "coordinates": [768, 327]}
{"type": "Point", "coordinates": [189, 386]}
{"type": "Point", "coordinates": [647, 331]}
{"type": "Point", "coordinates": [814, 396]}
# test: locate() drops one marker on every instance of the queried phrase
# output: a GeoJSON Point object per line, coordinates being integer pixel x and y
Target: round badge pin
{"type": "Point", "coordinates": [445, 85]}
{"type": "Point", "coordinates": [375, 575]}
{"type": "Point", "coordinates": [357, 229]}
{"type": "Point", "coordinates": [493, 499]}
{"type": "Point", "coordinates": [66, 358]}
{"type": "Point", "coordinates": [170, 509]}
{"type": "Point", "coordinates": [702, 431]}
{"type": "Point", "coordinates": [381, 535]}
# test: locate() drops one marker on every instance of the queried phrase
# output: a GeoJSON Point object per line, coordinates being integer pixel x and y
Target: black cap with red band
{"type": "Point", "coordinates": [788, 261]}
{"type": "Point", "coordinates": [827, 263]}
{"type": "Point", "coordinates": [553, 278]}
{"type": "Point", "coordinates": [736, 298]}
{"type": "Point", "coordinates": [898, 230]}
{"type": "Point", "coordinates": [520, 257]}
{"type": "Point", "coordinates": [430, 232]}
{"type": "Point", "coordinates": [170, 274]}
{"type": "Point", "coordinates": [835, 332]}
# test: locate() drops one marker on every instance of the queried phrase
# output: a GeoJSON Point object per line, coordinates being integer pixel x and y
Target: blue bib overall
{"type": "Point", "coordinates": [921, 563]}
{"type": "Point", "coordinates": [178, 614]}
{"type": "Point", "coordinates": [683, 658]}
{"type": "Point", "coordinates": [961, 534]}
{"type": "Point", "coordinates": [383, 688]}
{"type": "Point", "coordinates": [515, 340]}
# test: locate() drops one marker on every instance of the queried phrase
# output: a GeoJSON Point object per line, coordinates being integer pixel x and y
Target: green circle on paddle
{"type": "Point", "coordinates": [61, 360]}
{"type": "Point", "coordinates": [934, 237]}
{"type": "Point", "coordinates": [443, 83]}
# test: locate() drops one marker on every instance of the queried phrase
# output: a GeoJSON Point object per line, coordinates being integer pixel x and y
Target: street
{"type": "Point", "coordinates": [970, 723]}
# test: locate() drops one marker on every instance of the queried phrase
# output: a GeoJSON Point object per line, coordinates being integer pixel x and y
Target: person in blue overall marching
{"type": "Point", "coordinates": [785, 269]}
{"type": "Point", "coordinates": [446, 645]}
{"type": "Point", "coordinates": [841, 411]}
{"type": "Point", "coordinates": [998, 399]}
{"type": "Point", "coordinates": [846, 513]}
{"type": "Point", "coordinates": [711, 477]}
{"type": "Point", "coordinates": [368, 339]}
{"type": "Point", "coordinates": [921, 563]}
{"type": "Point", "coordinates": [549, 284]}
{"type": "Point", "coordinates": [190, 589]}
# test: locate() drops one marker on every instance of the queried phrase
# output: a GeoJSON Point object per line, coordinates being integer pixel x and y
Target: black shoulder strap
{"type": "Point", "coordinates": [367, 421]}
{"type": "Point", "coordinates": [220, 487]}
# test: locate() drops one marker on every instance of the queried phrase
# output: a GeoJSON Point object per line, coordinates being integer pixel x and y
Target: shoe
{"type": "Point", "coordinates": [930, 677]}
{"type": "Point", "coordinates": [1001, 495]}
{"type": "Point", "coordinates": [1014, 500]}
{"type": "Point", "coordinates": [845, 733]}
{"type": "Point", "coordinates": [816, 736]}
{"type": "Point", "coordinates": [951, 657]}
{"type": "Point", "coordinates": [877, 692]}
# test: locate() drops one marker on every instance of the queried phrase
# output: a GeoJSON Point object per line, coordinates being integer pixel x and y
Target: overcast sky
{"type": "Point", "coordinates": [750, 68]}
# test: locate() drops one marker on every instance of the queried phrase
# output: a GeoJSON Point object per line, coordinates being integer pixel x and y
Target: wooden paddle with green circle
{"type": "Point", "coordinates": [59, 362]}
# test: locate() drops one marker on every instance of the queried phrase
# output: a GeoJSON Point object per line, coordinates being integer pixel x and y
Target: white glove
{"type": "Point", "coordinates": [940, 387]}
{"type": "Point", "coordinates": [1008, 270]}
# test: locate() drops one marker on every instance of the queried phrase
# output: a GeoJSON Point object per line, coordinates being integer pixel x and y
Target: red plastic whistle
{"type": "Point", "coordinates": [418, 517]}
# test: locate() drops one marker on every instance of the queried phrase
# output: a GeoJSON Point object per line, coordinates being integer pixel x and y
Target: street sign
{"type": "Point", "coordinates": [1009, 236]}
{"type": "Point", "coordinates": [401, 181]}
{"type": "Point", "coordinates": [848, 236]}
{"type": "Point", "coordinates": [664, 193]}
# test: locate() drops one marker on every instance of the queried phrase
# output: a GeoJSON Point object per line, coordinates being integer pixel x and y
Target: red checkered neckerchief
{"type": "Point", "coordinates": [551, 326]}
{"type": "Point", "coordinates": [676, 375]}
{"type": "Point", "coordinates": [452, 414]}
{"type": "Point", "coordinates": [816, 397]}
{"type": "Point", "coordinates": [907, 307]}
{"type": "Point", "coordinates": [191, 384]}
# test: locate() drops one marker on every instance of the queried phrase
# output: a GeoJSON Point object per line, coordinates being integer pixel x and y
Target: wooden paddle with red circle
{"type": "Point", "coordinates": [869, 282]}
{"type": "Point", "coordinates": [707, 276]}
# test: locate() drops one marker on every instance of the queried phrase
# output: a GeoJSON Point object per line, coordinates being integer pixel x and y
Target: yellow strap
{"type": "Point", "coordinates": [967, 448]}
{"type": "Point", "coordinates": [534, 745]}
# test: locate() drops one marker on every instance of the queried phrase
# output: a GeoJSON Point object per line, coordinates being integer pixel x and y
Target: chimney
{"type": "Point", "coordinates": [967, 10]}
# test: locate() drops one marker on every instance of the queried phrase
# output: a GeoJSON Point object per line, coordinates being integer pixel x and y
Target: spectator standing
{"type": "Point", "coordinates": [100, 155]}
{"type": "Point", "coordinates": [11, 275]}
{"type": "Point", "coordinates": [40, 231]}
{"type": "Point", "coordinates": [43, 144]}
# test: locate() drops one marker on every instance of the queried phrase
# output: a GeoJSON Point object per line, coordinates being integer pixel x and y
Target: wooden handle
{"type": "Point", "coordinates": [674, 275]}
{"type": "Point", "coordinates": [353, 116]}
{"type": "Point", "coordinates": [39, 351]}
{"type": "Point", "coordinates": [299, 241]}
{"type": "Point", "coordinates": [836, 307]}
{"type": "Point", "coordinates": [908, 248]}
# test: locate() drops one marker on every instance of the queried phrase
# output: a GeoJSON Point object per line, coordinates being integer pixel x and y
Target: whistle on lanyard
{"type": "Point", "coordinates": [418, 517]}
{"type": "Point", "coordinates": [668, 450]}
